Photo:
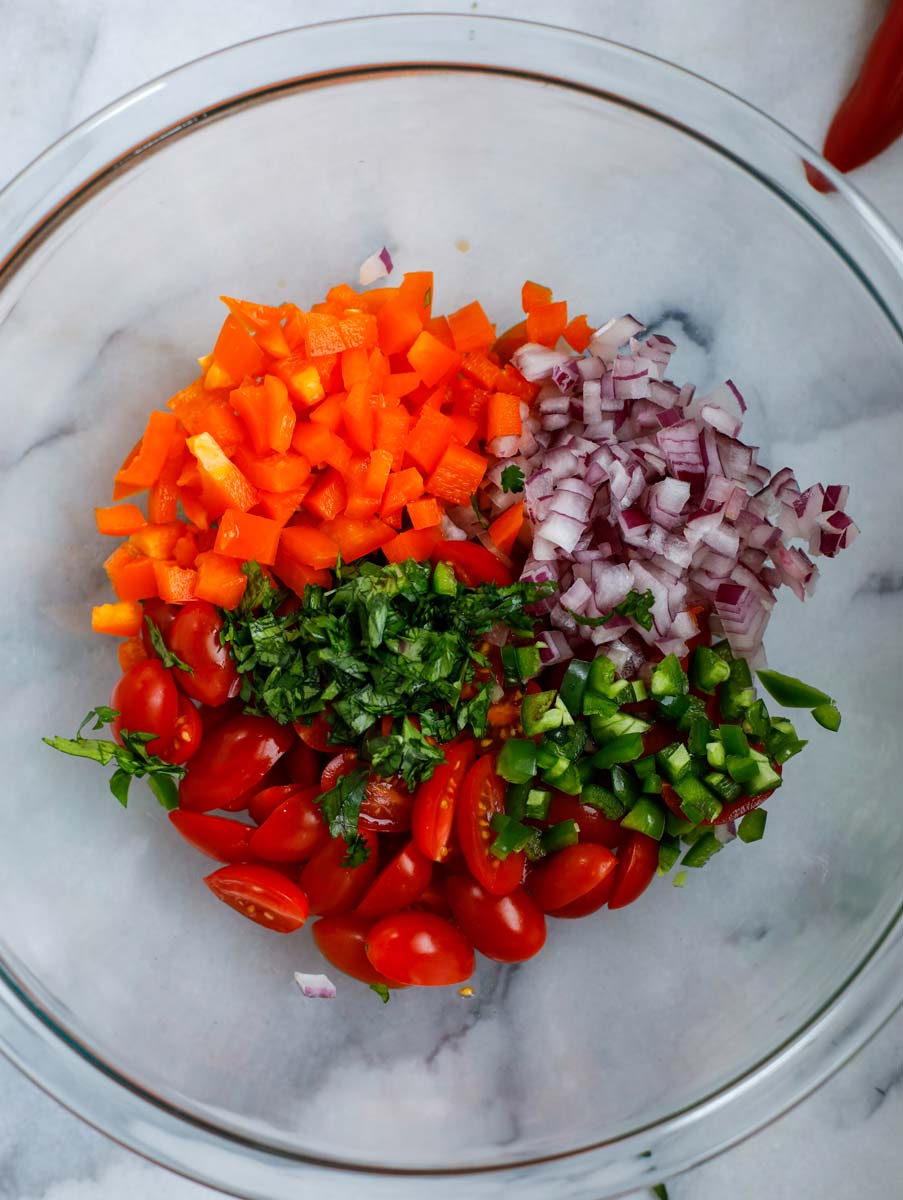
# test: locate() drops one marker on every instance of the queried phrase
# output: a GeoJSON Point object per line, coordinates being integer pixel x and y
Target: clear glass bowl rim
{"type": "Point", "coordinates": [42, 195]}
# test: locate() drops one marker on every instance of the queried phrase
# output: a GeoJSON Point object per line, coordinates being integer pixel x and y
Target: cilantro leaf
{"type": "Point", "coordinates": [512, 479]}
{"type": "Point", "coordinates": [162, 651]}
{"type": "Point", "coordinates": [381, 990]}
{"type": "Point", "coordinates": [341, 808]}
{"type": "Point", "coordinates": [407, 753]}
{"type": "Point", "coordinates": [635, 605]}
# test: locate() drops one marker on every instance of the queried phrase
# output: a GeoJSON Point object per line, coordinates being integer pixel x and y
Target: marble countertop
{"type": "Point", "coordinates": [63, 59]}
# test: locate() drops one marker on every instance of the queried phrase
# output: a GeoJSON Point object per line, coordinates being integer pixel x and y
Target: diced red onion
{"type": "Point", "coordinates": [553, 647]}
{"type": "Point", "coordinates": [609, 337]}
{"type": "Point", "coordinates": [377, 266]}
{"type": "Point", "coordinates": [315, 987]}
{"type": "Point", "coordinates": [537, 362]}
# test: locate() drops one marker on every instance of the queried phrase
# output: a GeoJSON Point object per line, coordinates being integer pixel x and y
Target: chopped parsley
{"type": "Point", "coordinates": [512, 479]}
{"type": "Point", "coordinates": [341, 808]}
{"type": "Point", "coordinates": [636, 605]}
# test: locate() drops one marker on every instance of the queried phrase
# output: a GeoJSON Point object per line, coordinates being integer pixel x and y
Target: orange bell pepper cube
{"type": "Point", "coordinates": [416, 289]}
{"type": "Point", "coordinates": [380, 370]}
{"type": "Point", "coordinates": [194, 508]}
{"type": "Point", "coordinates": [241, 535]}
{"type": "Point", "coordinates": [399, 323]}
{"type": "Point", "coordinates": [343, 296]}
{"type": "Point", "coordinates": [297, 576]}
{"type": "Point", "coordinates": [175, 584]}
{"type": "Point", "coordinates": [279, 415]}
{"type": "Point", "coordinates": [158, 541]}
{"type": "Point", "coordinates": [143, 467]}
{"type": "Point", "coordinates": [302, 379]}
{"type": "Point", "coordinates": [513, 382]}
{"type": "Point", "coordinates": [428, 440]}
{"type": "Point", "coordinates": [578, 333]}
{"type": "Point", "coordinates": [131, 573]}
{"type": "Point", "coordinates": [391, 432]}
{"type": "Point", "coordinates": [185, 551]}
{"type": "Point", "coordinates": [547, 323]}
{"type": "Point", "coordinates": [359, 329]}
{"type": "Point", "coordinates": [220, 580]}
{"type": "Point", "coordinates": [130, 652]}
{"type": "Point", "coordinates": [441, 331]}
{"type": "Point", "coordinates": [313, 441]}
{"type": "Point", "coordinates": [425, 513]}
{"type": "Point", "coordinates": [481, 370]}
{"type": "Point", "coordinates": [329, 413]}
{"type": "Point", "coordinates": [401, 383]}
{"type": "Point", "coordinates": [249, 402]}
{"type": "Point", "coordinates": [401, 488]}
{"type": "Point", "coordinates": [534, 295]}
{"type": "Point", "coordinates": [163, 499]}
{"type": "Point", "coordinates": [235, 355]}
{"type": "Point", "coordinates": [471, 328]}
{"type": "Point", "coordinates": [355, 366]}
{"type": "Point", "coordinates": [221, 422]}
{"type": "Point", "coordinates": [457, 475]}
{"type": "Point", "coordinates": [264, 320]}
{"type": "Point", "coordinates": [506, 527]}
{"type": "Point", "coordinates": [273, 472]}
{"type": "Point", "coordinates": [431, 359]}
{"type": "Point", "coordinates": [311, 547]}
{"type": "Point", "coordinates": [323, 335]}
{"type": "Point", "coordinates": [357, 538]}
{"type": "Point", "coordinates": [464, 429]}
{"type": "Point", "coordinates": [123, 619]}
{"type": "Point", "coordinates": [366, 484]}
{"type": "Point", "coordinates": [281, 506]}
{"type": "Point", "coordinates": [222, 483]}
{"type": "Point", "coordinates": [503, 416]}
{"type": "Point", "coordinates": [359, 417]}
{"type": "Point", "coordinates": [328, 496]}
{"type": "Point", "coordinates": [415, 543]}
{"type": "Point", "coordinates": [512, 339]}
{"type": "Point", "coordinates": [120, 520]}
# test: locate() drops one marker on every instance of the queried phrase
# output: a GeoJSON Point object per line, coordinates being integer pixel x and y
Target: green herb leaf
{"type": "Point", "coordinates": [635, 605]}
{"type": "Point", "coordinates": [341, 808]}
{"type": "Point", "coordinates": [381, 990]}
{"type": "Point", "coordinates": [407, 753]}
{"type": "Point", "coordinates": [512, 479]}
{"type": "Point", "coordinates": [119, 786]}
{"type": "Point", "coordinates": [162, 651]}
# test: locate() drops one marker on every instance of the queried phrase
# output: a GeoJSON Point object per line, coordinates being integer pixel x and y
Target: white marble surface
{"type": "Point", "coordinates": [61, 61]}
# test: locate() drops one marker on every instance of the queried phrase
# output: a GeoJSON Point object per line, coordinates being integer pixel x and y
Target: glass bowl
{"type": "Point", "coordinates": [489, 150]}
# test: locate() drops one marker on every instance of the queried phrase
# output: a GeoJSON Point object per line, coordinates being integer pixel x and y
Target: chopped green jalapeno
{"type": "Point", "coordinates": [828, 716]}
{"type": "Point", "coordinates": [647, 816]}
{"type": "Point", "coordinates": [700, 852]}
{"type": "Point", "coordinates": [516, 762]}
{"type": "Point", "coordinates": [622, 749]}
{"type": "Point", "coordinates": [668, 678]}
{"type": "Point", "coordinates": [556, 837]}
{"type": "Point", "coordinates": [604, 800]}
{"type": "Point", "coordinates": [707, 669]}
{"type": "Point", "coordinates": [791, 692]}
{"type": "Point", "coordinates": [573, 686]}
{"type": "Point", "coordinates": [752, 827]}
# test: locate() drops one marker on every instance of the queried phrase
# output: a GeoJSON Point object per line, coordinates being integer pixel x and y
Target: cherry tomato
{"type": "Point", "coordinates": [233, 759]}
{"type": "Point", "coordinates": [260, 894]}
{"type": "Point", "coordinates": [419, 948]}
{"type": "Point", "coordinates": [397, 885]}
{"type": "Point", "coordinates": [185, 739]}
{"type": "Point", "coordinates": [212, 718]}
{"type": "Point", "coordinates": [591, 901]}
{"type": "Point", "coordinates": [294, 830]}
{"type": "Point", "coordinates": [147, 701]}
{"type": "Point", "coordinates": [637, 864]}
{"type": "Point", "coordinates": [433, 815]}
{"type": "Point", "coordinates": [304, 765]}
{"type": "Point", "coordinates": [316, 733]}
{"type": "Point", "coordinates": [332, 888]}
{"type": "Point", "coordinates": [594, 826]}
{"type": "Point", "coordinates": [570, 873]}
{"type": "Point", "coordinates": [267, 800]}
{"type": "Point", "coordinates": [341, 940]}
{"type": "Point", "coordinates": [217, 837]}
{"type": "Point", "coordinates": [507, 928]}
{"type": "Point", "coordinates": [194, 637]}
{"type": "Point", "coordinates": [482, 796]}
{"type": "Point", "coordinates": [434, 899]}
{"type": "Point", "coordinates": [387, 803]}
{"type": "Point", "coordinates": [162, 615]}
{"type": "Point", "coordinates": [472, 564]}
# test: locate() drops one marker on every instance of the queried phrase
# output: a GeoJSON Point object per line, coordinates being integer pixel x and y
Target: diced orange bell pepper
{"type": "Point", "coordinates": [415, 543]}
{"type": "Point", "coordinates": [312, 441]}
{"type": "Point", "coordinates": [357, 538]}
{"type": "Point", "coordinates": [343, 296]}
{"type": "Point", "coordinates": [163, 499]}
{"type": "Point", "coordinates": [506, 527]}
{"type": "Point", "coordinates": [392, 425]}
{"type": "Point", "coordinates": [222, 483]}
{"type": "Point", "coordinates": [428, 439]}
{"type": "Point", "coordinates": [401, 383]}
{"type": "Point", "coordinates": [175, 584]}
{"type": "Point", "coordinates": [355, 366]}
{"type": "Point", "coordinates": [503, 416]}
{"type": "Point", "coordinates": [281, 506]}
{"type": "Point", "coordinates": [534, 295]}
{"type": "Point", "coordinates": [302, 379]}
{"type": "Point", "coordinates": [359, 329]}
{"type": "Point", "coordinates": [464, 429]}
{"type": "Point", "coordinates": [366, 487]}
{"type": "Point", "coordinates": [190, 476]}
{"type": "Point", "coordinates": [399, 323]}
{"type": "Point", "coordinates": [359, 416]}
{"type": "Point", "coordinates": [578, 333]}
{"type": "Point", "coordinates": [220, 421]}
{"type": "Point", "coordinates": [250, 404]}
{"type": "Point", "coordinates": [120, 520]}
{"type": "Point", "coordinates": [513, 382]}
{"type": "Point", "coordinates": [512, 339]}
{"type": "Point", "coordinates": [401, 489]}
{"type": "Point", "coordinates": [157, 541]}
{"type": "Point", "coordinates": [131, 573]}
{"type": "Point", "coordinates": [457, 475]}
{"type": "Point", "coordinates": [235, 355]}
{"type": "Point", "coordinates": [329, 413]}
{"type": "Point", "coordinates": [323, 335]}
{"type": "Point", "coordinates": [471, 401]}
{"type": "Point", "coordinates": [441, 331]}
{"type": "Point", "coordinates": [328, 496]}
{"type": "Point", "coordinates": [220, 580]}
{"type": "Point", "coordinates": [425, 513]}
{"type": "Point", "coordinates": [547, 323]}
{"type": "Point", "coordinates": [431, 359]}
{"type": "Point", "coordinates": [416, 288]}
{"type": "Point", "coordinates": [273, 472]}
{"type": "Point", "coordinates": [380, 369]}
{"type": "Point", "coordinates": [130, 652]}
{"type": "Point", "coordinates": [471, 328]}
{"type": "Point", "coordinates": [123, 619]}
{"type": "Point", "coordinates": [264, 320]}
{"type": "Point", "coordinates": [375, 298]}
{"type": "Point", "coordinates": [309, 546]}
{"type": "Point", "coordinates": [194, 508]}
{"type": "Point", "coordinates": [297, 576]}
{"type": "Point", "coordinates": [482, 370]}
{"type": "Point", "coordinates": [294, 324]}
{"type": "Point", "coordinates": [241, 535]}
{"type": "Point", "coordinates": [144, 467]}
{"type": "Point", "coordinates": [279, 415]}
{"type": "Point", "coordinates": [185, 551]}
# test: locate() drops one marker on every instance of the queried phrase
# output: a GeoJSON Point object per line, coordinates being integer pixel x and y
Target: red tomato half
{"type": "Point", "coordinates": [433, 816]}
{"type": "Point", "coordinates": [233, 759]}
{"type": "Point", "coordinates": [387, 803]}
{"type": "Point", "coordinates": [419, 948]}
{"type": "Point", "coordinates": [594, 826]}
{"type": "Point", "coordinates": [569, 874]}
{"type": "Point", "coordinates": [147, 701]}
{"type": "Point", "coordinates": [267, 800]}
{"type": "Point", "coordinates": [162, 615]}
{"type": "Point", "coordinates": [399, 884]}
{"type": "Point", "coordinates": [260, 894]}
{"type": "Point", "coordinates": [473, 564]}
{"type": "Point", "coordinates": [316, 733]}
{"type": "Point", "coordinates": [332, 888]}
{"type": "Point", "coordinates": [341, 940]}
{"type": "Point", "coordinates": [591, 901]}
{"type": "Point", "coordinates": [637, 864]}
{"type": "Point", "coordinates": [482, 796]}
{"type": "Point", "coordinates": [294, 830]}
{"type": "Point", "coordinates": [217, 837]}
{"type": "Point", "coordinates": [185, 739]}
{"type": "Point", "coordinates": [507, 928]}
{"type": "Point", "coordinates": [194, 637]}
{"type": "Point", "coordinates": [304, 765]}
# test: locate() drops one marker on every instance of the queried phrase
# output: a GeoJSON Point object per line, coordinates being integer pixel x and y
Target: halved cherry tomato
{"type": "Point", "coordinates": [482, 796]}
{"type": "Point", "coordinates": [472, 564]}
{"type": "Point", "coordinates": [594, 826]}
{"type": "Point", "coordinates": [194, 637]}
{"type": "Point", "coordinates": [304, 765]}
{"type": "Point", "coordinates": [217, 837]}
{"type": "Point", "coordinates": [732, 810]}
{"type": "Point", "coordinates": [185, 739]}
{"type": "Point", "coordinates": [569, 874]}
{"type": "Point", "coordinates": [260, 894]}
{"type": "Point", "coordinates": [507, 928]}
{"type": "Point", "coordinates": [591, 901]}
{"type": "Point", "coordinates": [420, 948]}
{"type": "Point", "coordinates": [341, 940]}
{"type": "Point", "coordinates": [268, 799]}
{"type": "Point", "coordinates": [293, 831]}
{"type": "Point", "coordinates": [162, 615]}
{"type": "Point", "coordinates": [387, 803]}
{"type": "Point", "coordinates": [332, 888]}
{"type": "Point", "coordinates": [637, 864]}
{"type": "Point", "coordinates": [316, 733]}
{"type": "Point", "coordinates": [433, 816]}
{"type": "Point", "coordinates": [232, 760]}
{"type": "Point", "coordinates": [147, 701]}
{"type": "Point", "coordinates": [397, 885]}
{"type": "Point", "coordinates": [434, 899]}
